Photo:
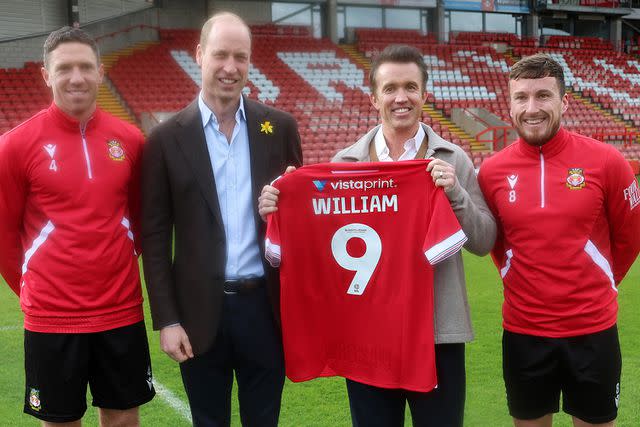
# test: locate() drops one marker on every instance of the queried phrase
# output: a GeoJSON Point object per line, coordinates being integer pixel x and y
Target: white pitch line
{"type": "Point", "coordinates": [173, 401]}
{"type": "Point", "coordinates": [10, 328]}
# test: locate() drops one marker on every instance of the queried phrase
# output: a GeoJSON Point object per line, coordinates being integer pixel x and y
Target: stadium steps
{"type": "Point", "coordinates": [357, 57]}
{"type": "Point", "coordinates": [108, 101]}
{"type": "Point", "coordinates": [111, 58]}
{"type": "Point", "coordinates": [437, 116]}
{"type": "Point", "coordinates": [108, 97]}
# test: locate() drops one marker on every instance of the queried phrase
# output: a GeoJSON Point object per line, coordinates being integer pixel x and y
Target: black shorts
{"type": "Point", "coordinates": [115, 364]}
{"type": "Point", "coordinates": [586, 369]}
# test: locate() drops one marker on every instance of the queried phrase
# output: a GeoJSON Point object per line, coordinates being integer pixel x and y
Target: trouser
{"type": "Point", "coordinates": [442, 407]}
{"type": "Point", "coordinates": [248, 344]}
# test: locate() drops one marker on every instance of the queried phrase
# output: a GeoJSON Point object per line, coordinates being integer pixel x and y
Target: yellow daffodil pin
{"type": "Point", "coordinates": [266, 127]}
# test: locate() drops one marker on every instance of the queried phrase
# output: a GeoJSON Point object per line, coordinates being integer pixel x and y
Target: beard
{"type": "Point", "coordinates": [537, 137]}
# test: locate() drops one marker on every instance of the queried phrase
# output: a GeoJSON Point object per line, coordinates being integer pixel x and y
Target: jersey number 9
{"type": "Point", "coordinates": [365, 265]}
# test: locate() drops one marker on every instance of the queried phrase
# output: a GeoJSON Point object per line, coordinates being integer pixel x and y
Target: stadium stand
{"type": "Point", "coordinates": [325, 86]}
{"type": "Point", "coordinates": [609, 80]}
{"type": "Point", "coordinates": [22, 94]}
{"type": "Point", "coordinates": [312, 79]}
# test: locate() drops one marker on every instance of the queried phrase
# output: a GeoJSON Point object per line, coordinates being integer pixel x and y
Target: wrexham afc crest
{"type": "Point", "coordinates": [575, 179]}
{"type": "Point", "coordinates": [115, 150]}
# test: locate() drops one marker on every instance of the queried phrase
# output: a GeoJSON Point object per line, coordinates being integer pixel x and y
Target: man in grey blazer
{"type": "Point", "coordinates": [212, 296]}
{"type": "Point", "coordinates": [398, 90]}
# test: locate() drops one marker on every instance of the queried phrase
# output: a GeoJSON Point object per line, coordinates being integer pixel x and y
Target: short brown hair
{"type": "Point", "coordinates": [66, 35]}
{"type": "Point", "coordinates": [399, 54]}
{"type": "Point", "coordinates": [206, 28]}
{"type": "Point", "coordinates": [538, 66]}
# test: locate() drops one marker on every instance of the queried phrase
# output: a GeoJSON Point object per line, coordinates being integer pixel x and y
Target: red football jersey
{"type": "Point", "coordinates": [356, 243]}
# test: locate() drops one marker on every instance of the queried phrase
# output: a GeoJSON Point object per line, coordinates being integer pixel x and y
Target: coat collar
{"type": "Point", "coordinates": [360, 150]}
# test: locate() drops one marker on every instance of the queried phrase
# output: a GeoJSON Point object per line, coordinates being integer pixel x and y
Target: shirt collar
{"type": "Point", "coordinates": [382, 150]}
{"type": "Point", "coordinates": [208, 115]}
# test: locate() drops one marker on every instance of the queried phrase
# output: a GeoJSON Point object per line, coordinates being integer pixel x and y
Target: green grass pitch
{"type": "Point", "coordinates": [323, 402]}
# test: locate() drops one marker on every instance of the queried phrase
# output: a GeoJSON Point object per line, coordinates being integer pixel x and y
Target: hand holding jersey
{"type": "Point", "coordinates": [443, 174]}
{"type": "Point", "coordinates": [351, 241]}
{"type": "Point", "coordinates": [268, 200]}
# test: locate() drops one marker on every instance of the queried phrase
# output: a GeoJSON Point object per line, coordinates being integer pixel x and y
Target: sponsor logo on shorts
{"type": "Point", "coordinates": [34, 399]}
{"type": "Point", "coordinates": [149, 378]}
{"type": "Point", "coordinates": [617, 398]}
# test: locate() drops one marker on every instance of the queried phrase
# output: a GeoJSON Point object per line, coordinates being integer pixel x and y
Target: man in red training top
{"type": "Point", "coordinates": [568, 231]}
{"type": "Point", "coordinates": [69, 207]}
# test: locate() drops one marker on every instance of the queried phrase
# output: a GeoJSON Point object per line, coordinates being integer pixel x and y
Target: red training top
{"type": "Point", "coordinates": [568, 232]}
{"type": "Point", "coordinates": [69, 207]}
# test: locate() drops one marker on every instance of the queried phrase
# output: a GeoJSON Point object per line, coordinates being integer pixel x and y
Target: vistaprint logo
{"type": "Point", "coordinates": [356, 184]}
{"type": "Point", "coordinates": [319, 184]}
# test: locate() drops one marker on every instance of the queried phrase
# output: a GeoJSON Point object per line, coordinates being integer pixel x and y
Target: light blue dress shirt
{"type": "Point", "coordinates": [232, 172]}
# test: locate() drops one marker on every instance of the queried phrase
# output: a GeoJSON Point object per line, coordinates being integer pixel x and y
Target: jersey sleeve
{"type": "Point", "coordinates": [444, 235]}
{"type": "Point", "coordinates": [12, 202]}
{"type": "Point", "coordinates": [134, 193]}
{"type": "Point", "coordinates": [498, 254]}
{"type": "Point", "coordinates": [272, 237]}
{"type": "Point", "coordinates": [623, 213]}
{"type": "Point", "coordinates": [272, 240]}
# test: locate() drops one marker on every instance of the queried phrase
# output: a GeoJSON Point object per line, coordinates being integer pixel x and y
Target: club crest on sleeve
{"type": "Point", "coordinates": [116, 152]}
{"type": "Point", "coordinates": [34, 399]}
{"type": "Point", "coordinates": [575, 179]}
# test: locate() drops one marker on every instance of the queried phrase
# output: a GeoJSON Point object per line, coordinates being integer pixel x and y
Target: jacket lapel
{"type": "Point", "coordinates": [192, 143]}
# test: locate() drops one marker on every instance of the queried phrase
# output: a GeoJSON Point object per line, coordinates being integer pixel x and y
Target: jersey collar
{"type": "Point", "coordinates": [69, 122]}
{"type": "Point", "coordinates": [548, 149]}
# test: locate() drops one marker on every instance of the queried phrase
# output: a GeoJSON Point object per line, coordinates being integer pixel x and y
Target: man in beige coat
{"type": "Point", "coordinates": [398, 80]}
